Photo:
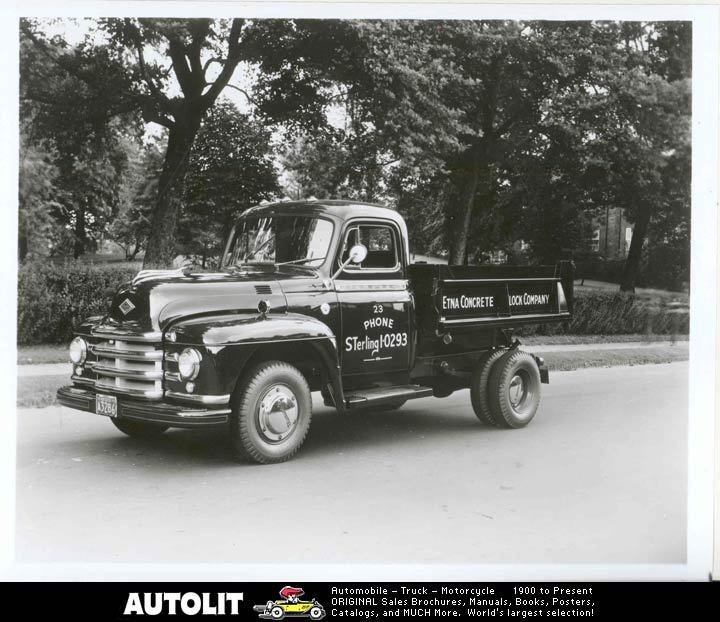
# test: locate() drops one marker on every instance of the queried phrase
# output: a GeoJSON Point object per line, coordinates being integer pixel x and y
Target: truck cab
{"type": "Point", "coordinates": [312, 296]}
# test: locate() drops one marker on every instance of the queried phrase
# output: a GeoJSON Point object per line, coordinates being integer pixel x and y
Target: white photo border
{"type": "Point", "coordinates": [703, 296]}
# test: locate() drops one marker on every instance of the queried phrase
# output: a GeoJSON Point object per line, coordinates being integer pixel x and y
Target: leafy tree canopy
{"type": "Point", "coordinates": [481, 132]}
{"type": "Point", "coordinates": [230, 170]}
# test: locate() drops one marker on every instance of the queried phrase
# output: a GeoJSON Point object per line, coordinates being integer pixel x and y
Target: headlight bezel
{"type": "Point", "coordinates": [195, 358]}
{"type": "Point", "coordinates": [83, 350]}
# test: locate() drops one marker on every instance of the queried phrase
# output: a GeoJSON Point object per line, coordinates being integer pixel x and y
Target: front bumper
{"type": "Point", "coordinates": [174, 415]}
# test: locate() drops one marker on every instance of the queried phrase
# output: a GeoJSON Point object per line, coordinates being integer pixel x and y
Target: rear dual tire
{"type": "Point", "coordinates": [505, 390]}
{"type": "Point", "coordinates": [479, 394]}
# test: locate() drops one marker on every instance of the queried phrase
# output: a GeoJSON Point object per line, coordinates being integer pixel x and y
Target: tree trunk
{"type": "Point", "coordinates": [160, 247]}
{"type": "Point", "coordinates": [79, 246]}
{"type": "Point", "coordinates": [460, 201]}
{"type": "Point", "coordinates": [461, 219]}
{"type": "Point", "coordinates": [632, 262]}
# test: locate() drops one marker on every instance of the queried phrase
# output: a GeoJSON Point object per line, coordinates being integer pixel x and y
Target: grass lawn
{"type": "Point", "coordinates": [34, 355]}
{"type": "Point", "coordinates": [647, 293]}
{"type": "Point", "coordinates": [567, 361]}
{"type": "Point", "coordinates": [551, 340]}
{"type": "Point", "coordinates": [39, 391]}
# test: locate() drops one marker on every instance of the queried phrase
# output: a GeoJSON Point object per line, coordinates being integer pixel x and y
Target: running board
{"type": "Point", "coordinates": [383, 395]}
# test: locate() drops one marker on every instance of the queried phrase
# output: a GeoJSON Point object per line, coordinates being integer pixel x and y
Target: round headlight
{"type": "Point", "coordinates": [189, 364]}
{"type": "Point", "coordinates": [78, 350]}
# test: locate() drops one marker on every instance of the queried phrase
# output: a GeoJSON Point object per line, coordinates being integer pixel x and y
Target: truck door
{"type": "Point", "coordinates": [374, 302]}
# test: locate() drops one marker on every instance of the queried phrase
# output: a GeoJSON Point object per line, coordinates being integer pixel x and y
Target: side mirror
{"type": "Point", "coordinates": [358, 253]}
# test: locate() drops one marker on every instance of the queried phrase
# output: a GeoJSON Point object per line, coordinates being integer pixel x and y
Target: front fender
{"type": "Point", "coordinates": [227, 330]}
{"type": "Point", "coordinates": [231, 340]}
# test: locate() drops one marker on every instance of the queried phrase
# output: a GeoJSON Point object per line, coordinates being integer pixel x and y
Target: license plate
{"type": "Point", "coordinates": [106, 405]}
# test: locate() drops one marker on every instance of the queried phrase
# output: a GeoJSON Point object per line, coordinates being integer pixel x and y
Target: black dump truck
{"type": "Point", "coordinates": [312, 296]}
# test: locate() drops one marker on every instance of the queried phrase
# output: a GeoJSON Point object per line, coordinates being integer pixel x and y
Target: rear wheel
{"type": "Point", "coordinates": [139, 429]}
{"type": "Point", "coordinates": [271, 414]}
{"type": "Point", "coordinates": [479, 385]}
{"type": "Point", "coordinates": [514, 390]}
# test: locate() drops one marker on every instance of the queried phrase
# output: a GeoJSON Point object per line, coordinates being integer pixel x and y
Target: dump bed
{"type": "Point", "coordinates": [472, 302]}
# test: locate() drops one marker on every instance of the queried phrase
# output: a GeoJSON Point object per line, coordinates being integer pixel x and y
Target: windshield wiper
{"type": "Point", "coordinates": [299, 261]}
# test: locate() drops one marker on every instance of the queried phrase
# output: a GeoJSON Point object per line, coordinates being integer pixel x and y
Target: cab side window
{"type": "Point", "coordinates": [381, 244]}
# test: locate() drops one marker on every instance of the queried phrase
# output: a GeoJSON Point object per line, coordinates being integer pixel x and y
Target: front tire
{"type": "Point", "coordinates": [139, 429]}
{"type": "Point", "coordinates": [271, 413]}
{"type": "Point", "coordinates": [514, 390]}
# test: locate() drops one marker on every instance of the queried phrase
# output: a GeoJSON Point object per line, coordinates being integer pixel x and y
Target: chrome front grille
{"type": "Point", "coordinates": [127, 367]}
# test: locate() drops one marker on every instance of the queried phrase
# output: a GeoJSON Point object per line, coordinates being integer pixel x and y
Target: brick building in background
{"type": "Point", "coordinates": [611, 234]}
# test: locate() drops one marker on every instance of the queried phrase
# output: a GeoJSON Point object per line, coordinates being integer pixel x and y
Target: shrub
{"type": "Point", "coordinates": [617, 313]}
{"type": "Point", "coordinates": [54, 298]}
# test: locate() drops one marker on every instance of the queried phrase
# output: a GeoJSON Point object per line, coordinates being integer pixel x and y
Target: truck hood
{"type": "Point", "coordinates": [153, 300]}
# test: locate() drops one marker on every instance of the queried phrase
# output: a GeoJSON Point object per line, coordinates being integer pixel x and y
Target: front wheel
{"type": "Point", "coordinates": [277, 613]}
{"type": "Point", "coordinates": [271, 412]}
{"type": "Point", "coordinates": [316, 613]}
{"type": "Point", "coordinates": [514, 389]}
{"type": "Point", "coordinates": [139, 429]}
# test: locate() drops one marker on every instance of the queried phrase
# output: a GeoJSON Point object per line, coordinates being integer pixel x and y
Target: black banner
{"type": "Point", "coordinates": [357, 601]}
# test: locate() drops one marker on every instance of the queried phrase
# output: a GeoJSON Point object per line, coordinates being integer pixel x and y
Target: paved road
{"type": "Point", "coordinates": [599, 476]}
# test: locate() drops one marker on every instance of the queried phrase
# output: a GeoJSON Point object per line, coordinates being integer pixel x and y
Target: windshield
{"type": "Point", "coordinates": [279, 239]}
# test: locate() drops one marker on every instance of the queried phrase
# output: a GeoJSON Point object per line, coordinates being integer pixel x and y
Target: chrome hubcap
{"type": "Point", "coordinates": [277, 413]}
{"type": "Point", "coordinates": [517, 390]}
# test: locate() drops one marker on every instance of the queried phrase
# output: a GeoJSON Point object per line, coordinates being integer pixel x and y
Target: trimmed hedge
{"type": "Point", "coordinates": [618, 313]}
{"type": "Point", "coordinates": [54, 298]}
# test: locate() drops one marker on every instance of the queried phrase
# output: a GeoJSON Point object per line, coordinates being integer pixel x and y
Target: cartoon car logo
{"type": "Point", "coordinates": [290, 606]}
